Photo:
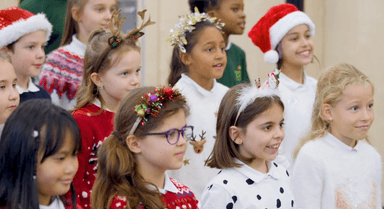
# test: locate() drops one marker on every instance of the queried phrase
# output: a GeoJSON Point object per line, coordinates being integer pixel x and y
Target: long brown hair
{"type": "Point", "coordinates": [177, 66]}
{"type": "Point", "coordinates": [70, 25]}
{"type": "Point", "coordinates": [98, 43]}
{"type": "Point", "coordinates": [117, 165]}
{"type": "Point", "coordinates": [330, 88]}
{"type": "Point", "coordinates": [225, 150]}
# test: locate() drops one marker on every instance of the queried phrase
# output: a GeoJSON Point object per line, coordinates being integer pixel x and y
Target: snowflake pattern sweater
{"type": "Point", "coordinates": [176, 196]}
{"type": "Point", "coordinates": [94, 130]}
{"type": "Point", "coordinates": [62, 73]}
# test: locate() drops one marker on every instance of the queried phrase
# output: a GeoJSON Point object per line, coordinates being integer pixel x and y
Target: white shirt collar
{"type": "Point", "coordinates": [291, 84]}
{"type": "Point", "coordinates": [98, 103]}
{"type": "Point", "coordinates": [168, 186]}
{"type": "Point", "coordinates": [56, 204]}
{"type": "Point", "coordinates": [197, 87]}
{"type": "Point", "coordinates": [336, 143]}
{"type": "Point", "coordinates": [77, 46]}
{"type": "Point", "coordinates": [255, 175]}
{"type": "Point", "coordinates": [31, 88]}
{"type": "Point", "coordinates": [229, 44]}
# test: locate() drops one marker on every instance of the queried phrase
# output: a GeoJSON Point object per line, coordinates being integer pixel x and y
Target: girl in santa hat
{"type": "Point", "coordinates": [23, 36]}
{"type": "Point", "coordinates": [284, 34]}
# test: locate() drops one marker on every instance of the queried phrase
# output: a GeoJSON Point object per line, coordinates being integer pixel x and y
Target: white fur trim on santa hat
{"type": "Point", "coordinates": [285, 24]}
{"type": "Point", "coordinates": [22, 27]}
{"type": "Point", "coordinates": [271, 57]}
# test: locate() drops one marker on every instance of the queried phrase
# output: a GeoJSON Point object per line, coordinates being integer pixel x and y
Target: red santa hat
{"type": "Point", "coordinates": [272, 27]}
{"type": "Point", "coordinates": [16, 22]}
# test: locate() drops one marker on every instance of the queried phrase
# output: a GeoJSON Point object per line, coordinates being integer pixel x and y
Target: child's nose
{"type": "Point", "coordinates": [72, 165]}
{"type": "Point", "coordinates": [182, 140]}
{"type": "Point", "coordinates": [13, 94]}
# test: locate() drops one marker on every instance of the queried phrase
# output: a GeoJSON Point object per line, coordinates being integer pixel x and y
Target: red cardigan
{"type": "Point", "coordinates": [94, 128]}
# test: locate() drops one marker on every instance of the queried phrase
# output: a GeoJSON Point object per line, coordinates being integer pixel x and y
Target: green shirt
{"type": "Point", "coordinates": [236, 70]}
{"type": "Point", "coordinates": [55, 13]}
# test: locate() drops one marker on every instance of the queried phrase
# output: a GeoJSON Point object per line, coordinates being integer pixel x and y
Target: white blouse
{"type": "Point", "coordinates": [56, 204]}
{"type": "Point", "coordinates": [246, 187]}
{"type": "Point", "coordinates": [298, 102]}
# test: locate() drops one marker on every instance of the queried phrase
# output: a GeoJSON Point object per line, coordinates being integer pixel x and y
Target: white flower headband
{"type": "Point", "coordinates": [250, 93]}
{"type": "Point", "coordinates": [187, 24]}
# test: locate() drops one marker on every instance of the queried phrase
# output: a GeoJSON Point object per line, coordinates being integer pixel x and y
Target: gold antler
{"type": "Point", "coordinates": [136, 33]}
{"type": "Point", "coordinates": [116, 23]}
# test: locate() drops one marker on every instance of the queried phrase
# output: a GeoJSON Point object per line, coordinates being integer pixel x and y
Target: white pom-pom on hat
{"type": "Point", "coordinates": [271, 57]}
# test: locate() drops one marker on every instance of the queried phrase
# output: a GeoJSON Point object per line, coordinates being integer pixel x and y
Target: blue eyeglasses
{"type": "Point", "coordinates": [173, 135]}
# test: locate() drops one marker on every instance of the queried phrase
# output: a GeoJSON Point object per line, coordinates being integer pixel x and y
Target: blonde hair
{"type": "Point", "coordinates": [330, 88]}
{"type": "Point", "coordinates": [99, 57]}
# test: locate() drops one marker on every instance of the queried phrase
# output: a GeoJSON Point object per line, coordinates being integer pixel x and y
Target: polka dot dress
{"type": "Point", "coordinates": [245, 187]}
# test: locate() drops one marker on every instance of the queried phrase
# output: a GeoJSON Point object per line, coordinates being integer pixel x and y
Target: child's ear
{"type": "Point", "coordinates": [96, 79]}
{"type": "Point", "coordinates": [4, 50]}
{"type": "Point", "coordinates": [326, 111]}
{"type": "Point", "coordinates": [212, 13]}
{"type": "Point", "coordinates": [185, 58]}
{"type": "Point", "coordinates": [133, 144]}
{"type": "Point", "coordinates": [75, 13]}
{"type": "Point", "coordinates": [235, 134]}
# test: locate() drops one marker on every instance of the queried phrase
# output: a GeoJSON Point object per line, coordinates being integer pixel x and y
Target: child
{"type": "Point", "coordinates": [284, 35]}
{"type": "Point", "coordinates": [63, 71]}
{"type": "Point", "coordinates": [231, 13]}
{"type": "Point", "coordinates": [8, 93]}
{"type": "Point", "coordinates": [38, 160]}
{"type": "Point", "coordinates": [23, 37]}
{"type": "Point", "coordinates": [111, 70]}
{"type": "Point", "coordinates": [198, 60]}
{"type": "Point", "coordinates": [150, 137]}
{"type": "Point", "coordinates": [249, 133]}
{"type": "Point", "coordinates": [335, 167]}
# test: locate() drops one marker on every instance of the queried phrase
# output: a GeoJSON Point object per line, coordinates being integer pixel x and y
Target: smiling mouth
{"type": "Point", "coordinates": [242, 25]}
{"type": "Point", "coordinates": [275, 146]}
{"type": "Point", "coordinates": [304, 53]}
{"type": "Point", "coordinates": [220, 65]}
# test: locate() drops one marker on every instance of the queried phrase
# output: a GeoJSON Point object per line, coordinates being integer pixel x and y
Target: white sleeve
{"type": "Point", "coordinates": [215, 197]}
{"type": "Point", "coordinates": [307, 182]}
{"type": "Point", "coordinates": [379, 178]}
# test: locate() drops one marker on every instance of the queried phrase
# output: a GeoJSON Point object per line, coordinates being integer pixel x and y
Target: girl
{"type": "Point", "coordinates": [38, 160]}
{"type": "Point", "coordinates": [249, 133]}
{"type": "Point", "coordinates": [111, 70]}
{"type": "Point", "coordinates": [23, 36]}
{"type": "Point", "coordinates": [150, 137]}
{"type": "Point", "coordinates": [285, 34]}
{"type": "Point", "coordinates": [335, 167]}
{"type": "Point", "coordinates": [230, 12]}
{"type": "Point", "coordinates": [198, 60]}
{"type": "Point", "coordinates": [8, 93]}
{"type": "Point", "coordinates": [63, 70]}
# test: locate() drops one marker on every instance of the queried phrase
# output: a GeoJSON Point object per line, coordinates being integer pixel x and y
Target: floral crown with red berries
{"type": "Point", "coordinates": [152, 103]}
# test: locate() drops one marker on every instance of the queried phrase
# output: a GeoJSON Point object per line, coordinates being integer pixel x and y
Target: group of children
{"type": "Point", "coordinates": [91, 137]}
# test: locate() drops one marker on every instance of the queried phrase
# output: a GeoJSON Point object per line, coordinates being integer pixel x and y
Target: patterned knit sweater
{"type": "Point", "coordinates": [182, 198]}
{"type": "Point", "coordinates": [94, 128]}
{"type": "Point", "coordinates": [62, 73]}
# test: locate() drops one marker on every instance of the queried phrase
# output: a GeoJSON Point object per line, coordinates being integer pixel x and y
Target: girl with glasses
{"type": "Point", "coordinates": [150, 137]}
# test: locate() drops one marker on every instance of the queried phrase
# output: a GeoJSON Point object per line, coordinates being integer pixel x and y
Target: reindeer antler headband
{"type": "Point", "coordinates": [187, 24]}
{"type": "Point", "coordinates": [250, 93]}
{"type": "Point", "coordinates": [114, 26]}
